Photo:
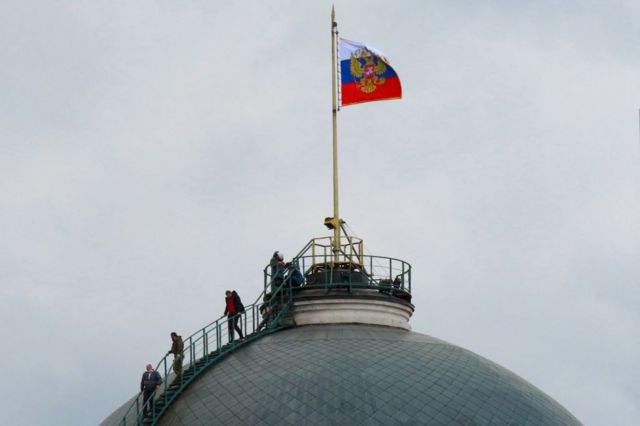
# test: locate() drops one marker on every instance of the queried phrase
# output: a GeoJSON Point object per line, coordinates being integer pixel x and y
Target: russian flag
{"type": "Point", "coordinates": [365, 74]}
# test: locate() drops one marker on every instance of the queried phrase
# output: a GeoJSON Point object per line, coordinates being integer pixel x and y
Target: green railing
{"type": "Point", "coordinates": [378, 272]}
{"type": "Point", "coordinates": [208, 345]}
{"type": "Point", "coordinates": [323, 269]}
{"type": "Point", "coordinates": [320, 269]}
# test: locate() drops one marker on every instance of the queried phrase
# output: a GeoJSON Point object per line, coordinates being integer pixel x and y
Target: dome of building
{"type": "Point", "coordinates": [349, 374]}
{"type": "Point", "coordinates": [344, 354]}
{"type": "Point", "coordinates": [359, 374]}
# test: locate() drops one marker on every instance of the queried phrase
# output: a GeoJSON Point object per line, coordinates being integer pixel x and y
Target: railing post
{"type": "Point", "coordinates": [254, 316]}
{"type": "Point", "coordinates": [304, 265]}
{"type": "Point", "coordinates": [243, 325]}
{"type": "Point", "coordinates": [218, 337]}
{"type": "Point", "coordinates": [257, 319]}
{"type": "Point", "coordinates": [204, 343]}
{"type": "Point", "coordinates": [192, 359]}
{"type": "Point", "coordinates": [153, 409]}
{"type": "Point", "coordinates": [324, 254]}
{"type": "Point", "coordinates": [137, 411]}
{"type": "Point", "coordinates": [282, 294]}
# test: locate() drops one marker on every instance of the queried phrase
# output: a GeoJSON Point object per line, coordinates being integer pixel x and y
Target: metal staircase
{"type": "Point", "coordinates": [322, 269]}
{"type": "Point", "coordinates": [206, 347]}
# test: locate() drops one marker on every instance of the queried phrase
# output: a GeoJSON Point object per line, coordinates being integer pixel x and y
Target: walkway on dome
{"type": "Point", "coordinates": [348, 270]}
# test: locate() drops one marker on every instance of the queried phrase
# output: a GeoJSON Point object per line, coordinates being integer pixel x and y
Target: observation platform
{"type": "Point", "coordinates": [344, 288]}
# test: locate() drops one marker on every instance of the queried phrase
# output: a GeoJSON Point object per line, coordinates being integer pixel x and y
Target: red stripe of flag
{"type": "Point", "coordinates": [390, 89]}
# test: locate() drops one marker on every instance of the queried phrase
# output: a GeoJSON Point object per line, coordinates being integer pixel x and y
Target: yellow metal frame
{"type": "Point", "coordinates": [350, 251]}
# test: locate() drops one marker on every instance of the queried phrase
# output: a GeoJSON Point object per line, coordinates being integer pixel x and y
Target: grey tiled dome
{"type": "Point", "coordinates": [360, 375]}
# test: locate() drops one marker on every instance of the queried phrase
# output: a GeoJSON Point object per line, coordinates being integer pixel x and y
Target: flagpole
{"type": "Point", "coordinates": [336, 215]}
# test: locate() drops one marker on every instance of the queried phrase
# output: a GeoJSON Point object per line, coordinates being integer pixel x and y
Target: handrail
{"type": "Point", "coordinates": [265, 315]}
{"type": "Point", "coordinates": [206, 346]}
{"type": "Point", "coordinates": [393, 274]}
{"type": "Point", "coordinates": [385, 273]}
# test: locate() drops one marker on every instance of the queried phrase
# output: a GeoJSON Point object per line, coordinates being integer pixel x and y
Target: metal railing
{"type": "Point", "coordinates": [205, 347]}
{"type": "Point", "coordinates": [320, 267]}
{"type": "Point", "coordinates": [351, 249]}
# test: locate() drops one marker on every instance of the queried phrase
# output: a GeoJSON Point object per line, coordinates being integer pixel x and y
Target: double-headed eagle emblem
{"type": "Point", "coordinates": [367, 69]}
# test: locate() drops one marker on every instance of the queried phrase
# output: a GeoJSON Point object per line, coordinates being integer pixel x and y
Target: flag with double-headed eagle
{"type": "Point", "coordinates": [365, 74]}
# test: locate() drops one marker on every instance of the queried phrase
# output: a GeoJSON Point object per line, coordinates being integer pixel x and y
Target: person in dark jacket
{"type": "Point", "coordinates": [151, 381]}
{"type": "Point", "coordinates": [295, 276]}
{"type": "Point", "coordinates": [176, 349]}
{"type": "Point", "coordinates": [233, 309]}
{"type": "Point", "coordinates": [277, 270]}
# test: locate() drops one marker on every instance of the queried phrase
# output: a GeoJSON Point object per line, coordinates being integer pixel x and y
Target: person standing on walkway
{"type": "Point", "coordinates": [294, 274]}
{"type": "Point", "coordinates": [277, 270]}
{"type": "Point", "coordinates": [151, 381]}
{"type": "Point", "coordinates": [176, 349]}
{"type": "Point", "coordinates": [233, 309]}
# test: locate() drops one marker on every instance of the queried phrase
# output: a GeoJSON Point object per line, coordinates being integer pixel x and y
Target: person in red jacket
{"type": "Point", "coordinates": [232, 310]}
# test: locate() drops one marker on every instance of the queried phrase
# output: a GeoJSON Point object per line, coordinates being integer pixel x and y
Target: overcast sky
{"type": "Point", "coordinates": [155, 153]}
